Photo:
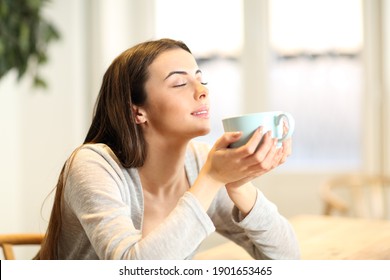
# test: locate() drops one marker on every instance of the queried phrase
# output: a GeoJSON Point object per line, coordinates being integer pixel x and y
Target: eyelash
{"type": "Point", "coordinates": [182, 85]}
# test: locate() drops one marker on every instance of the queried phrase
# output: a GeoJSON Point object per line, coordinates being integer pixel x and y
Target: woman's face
{"type": "Point", "coordinates": [177, 103]}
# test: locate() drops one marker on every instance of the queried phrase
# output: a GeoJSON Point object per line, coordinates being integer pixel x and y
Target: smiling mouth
{"type": "Point", "coordinates": [202, 113]}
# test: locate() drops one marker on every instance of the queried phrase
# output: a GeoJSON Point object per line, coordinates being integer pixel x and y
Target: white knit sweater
{"type": "Point", "coordinates": [103, 212]}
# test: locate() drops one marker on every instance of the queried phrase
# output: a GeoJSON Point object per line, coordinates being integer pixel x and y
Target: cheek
{"type": "Point", "coordinates": [167, 110]}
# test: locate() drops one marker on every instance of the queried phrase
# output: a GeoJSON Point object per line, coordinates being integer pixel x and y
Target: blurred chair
{"type": "Point", "coordinates": [356, 195]}
{"type": "Point", "coordinates": [9, 241]}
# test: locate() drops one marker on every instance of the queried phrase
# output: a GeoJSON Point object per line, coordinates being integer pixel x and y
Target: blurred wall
{"type": "Point", "coordinates": [40, 128]}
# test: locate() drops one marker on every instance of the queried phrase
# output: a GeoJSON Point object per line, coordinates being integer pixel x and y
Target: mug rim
{"type": "Point", "coordinates": [252, 114]}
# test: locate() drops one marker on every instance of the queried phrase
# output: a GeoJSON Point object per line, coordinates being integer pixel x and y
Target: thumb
{"type": "Point", "coordinates": [226, 139]}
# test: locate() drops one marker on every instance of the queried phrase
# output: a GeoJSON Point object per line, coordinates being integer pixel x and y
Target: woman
{"type": "Point", "coordinates": [139, 188]}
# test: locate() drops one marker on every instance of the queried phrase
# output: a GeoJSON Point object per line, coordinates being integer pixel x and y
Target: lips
{"type": "Point", "coordinates": [201, 112]}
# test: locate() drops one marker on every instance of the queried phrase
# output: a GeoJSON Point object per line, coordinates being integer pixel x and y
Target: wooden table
{"type": "Point", "coordinates": [335, 238]}
{"type": "Point", "coordinates": [326, 238]}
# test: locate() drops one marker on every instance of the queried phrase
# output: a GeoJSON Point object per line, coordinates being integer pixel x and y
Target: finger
{"type": "Point", "coordinates": [287, 150]}
{"type": "Point", "coordinates": [263, 159]}
{"type": "Point", "coordinates": [252, 144]}
{"type": "Point", "coordinates": [285, 127]}
{"type": "Point", "coordinates": [278, 158]}
{"type": "Point", "coordinates": [262, 150]}
{"type": "Point", "coordinates": [270, 159]}
{"type": "Point", "coordinates": [226, 139]}
{"type": "Point", "coordinates": [287, 145]}
{"type": "Point", "coordinates": [275, 157]}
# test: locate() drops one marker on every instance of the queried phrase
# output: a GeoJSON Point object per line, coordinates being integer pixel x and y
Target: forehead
{"type": "Point", "coordinates": [172, 60]}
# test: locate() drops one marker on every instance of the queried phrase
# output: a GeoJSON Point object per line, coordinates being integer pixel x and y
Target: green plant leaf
{"type": "Point", "coordinates": [24, 38]}
{"type": "Point", "coordinates": [39, 82]}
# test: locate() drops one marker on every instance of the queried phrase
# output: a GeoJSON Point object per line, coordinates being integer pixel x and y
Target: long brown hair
{"type": "Point", "coordinates": [113, 123]}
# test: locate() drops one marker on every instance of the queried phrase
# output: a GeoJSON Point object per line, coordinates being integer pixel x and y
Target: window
{"type": "Point", "coordinates": [315, 71]}
{"type": "Point", "coordinates": [213, 32]}
{"type": "Point", "coordinates": [316, 74]}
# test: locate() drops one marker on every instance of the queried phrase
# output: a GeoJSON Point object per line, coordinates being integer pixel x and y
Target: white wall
{"type": "Point", "coordinates": [385, 9]}
{"type": "Point", "coordinates": [113, 27]}
{"type": "Point", "coordinates": [42, 126]}
{"type": "Point", "coordinates": [10, 159]}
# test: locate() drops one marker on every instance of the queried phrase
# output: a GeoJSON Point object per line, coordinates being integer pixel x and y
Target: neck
{"type": "Point", "coordinates": [163, 171]}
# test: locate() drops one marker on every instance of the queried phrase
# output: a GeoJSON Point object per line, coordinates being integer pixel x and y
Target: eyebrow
{"type": "Point", "coordinates": [181, 73]}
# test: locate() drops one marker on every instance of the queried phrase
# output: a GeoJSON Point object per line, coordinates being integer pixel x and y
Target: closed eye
{"type": "Point", "coordinates": [198, 73]}
{"type": "Point", "coordinates": [184, 84]}
{"type": "Point", "coordinates": [180, 85]}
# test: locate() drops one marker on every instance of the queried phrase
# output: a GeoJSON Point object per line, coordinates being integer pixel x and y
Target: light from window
{"type": "Point", "coordinates": [316, 74]}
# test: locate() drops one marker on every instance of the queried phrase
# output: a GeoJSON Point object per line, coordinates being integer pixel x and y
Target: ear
{"type": "Point", "coordinates": [139, 114]}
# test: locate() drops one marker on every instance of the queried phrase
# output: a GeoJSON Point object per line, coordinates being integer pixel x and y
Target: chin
{"type": "Point", "coordinates": [204, 132]}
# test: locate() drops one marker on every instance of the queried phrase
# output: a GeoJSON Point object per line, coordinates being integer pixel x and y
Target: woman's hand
{"type": "Point", "coordinates": [240, 165]}
{"type": "Point", "coordinates": [242, 193]}
{"type": "Point", "coordinates": [261, 162]}
{"type": "Point", "coordinates": [234, 167]}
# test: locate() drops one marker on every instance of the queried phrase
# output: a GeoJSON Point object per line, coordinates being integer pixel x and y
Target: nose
{"type": "Point", "coordinates": [201, 91]}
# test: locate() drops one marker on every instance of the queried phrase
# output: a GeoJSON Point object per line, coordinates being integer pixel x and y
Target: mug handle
{"type": "Point", "coordinates": [290, 123]}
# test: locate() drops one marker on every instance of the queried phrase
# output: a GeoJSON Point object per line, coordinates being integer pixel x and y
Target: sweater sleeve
{"type": "Point", "coordinates": [98, 194]}
{"type": "Point", "coordinates": [264, 233]}
{"type": "Point", "coordinates": [271, 236]}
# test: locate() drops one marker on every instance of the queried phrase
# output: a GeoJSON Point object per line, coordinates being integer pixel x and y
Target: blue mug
{"type": "Point", "coordinates": [270, 121]}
